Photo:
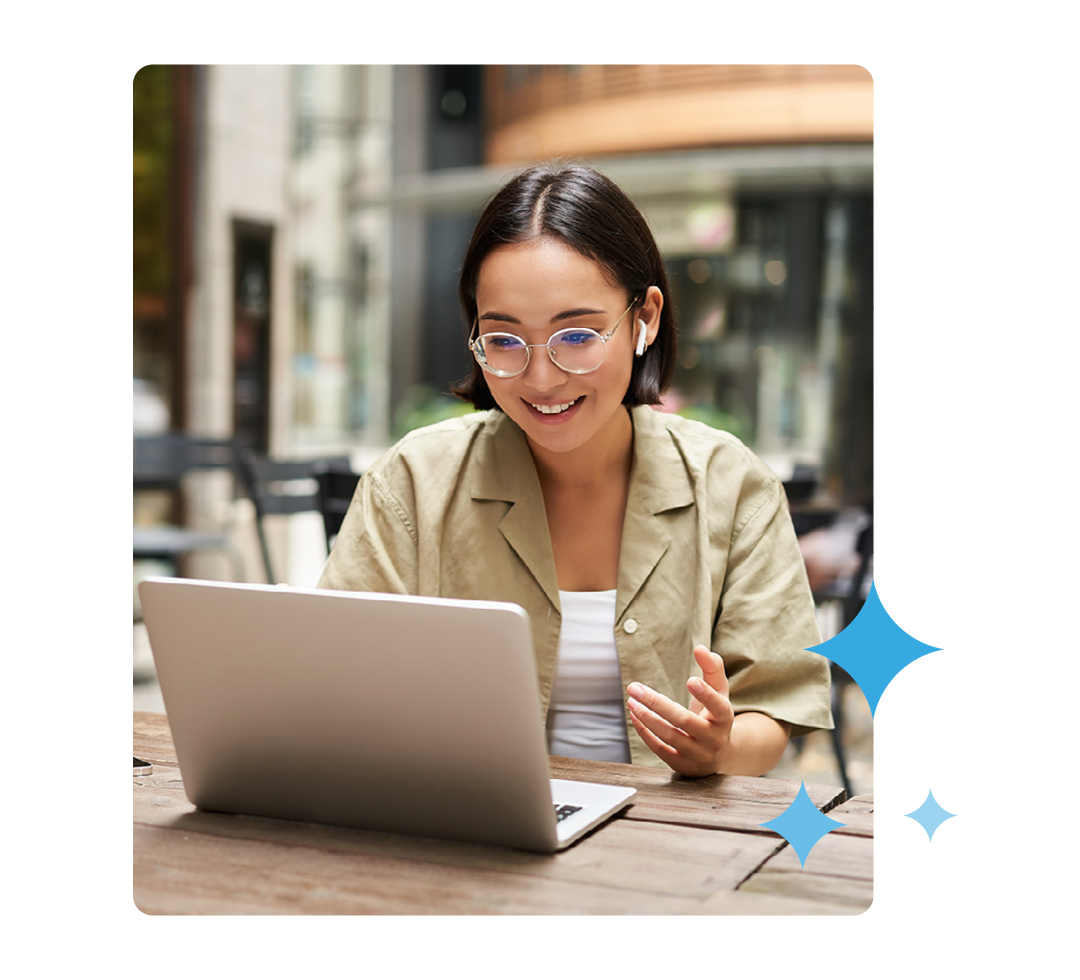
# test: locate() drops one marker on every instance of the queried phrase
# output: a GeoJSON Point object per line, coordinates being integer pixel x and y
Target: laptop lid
{"type": "Point", "coordinates": [399, 713]}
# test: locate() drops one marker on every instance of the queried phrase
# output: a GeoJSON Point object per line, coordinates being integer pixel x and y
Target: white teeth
{"type": "Point", "coordinates": [552, 409]}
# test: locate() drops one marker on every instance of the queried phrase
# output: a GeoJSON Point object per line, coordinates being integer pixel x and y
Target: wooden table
{"type": "Point", "coordinates": [688, 847]}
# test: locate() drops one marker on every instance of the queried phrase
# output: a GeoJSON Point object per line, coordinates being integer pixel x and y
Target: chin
{"type": "Point", "coordinates": [578, 430]}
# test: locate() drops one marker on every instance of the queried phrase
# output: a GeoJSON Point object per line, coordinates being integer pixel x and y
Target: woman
{"type": "Point", "coordinates": [650, 551]}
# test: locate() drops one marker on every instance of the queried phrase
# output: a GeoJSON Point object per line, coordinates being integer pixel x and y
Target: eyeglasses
{"type": "Point", "coordinates": [577, 350]}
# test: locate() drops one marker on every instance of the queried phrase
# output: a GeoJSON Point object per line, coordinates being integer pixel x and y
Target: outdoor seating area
{"type": "Point", "coordinates": [292, 486]}
{"type": "Point", "coordinates": [568, 350]}
{"type": "Point", "coordinates": [234, 529]}
{"type": "Point", "coordinates": [430, 876]}
{"type": "Point", "coordinates": [160, 466]}
{"type": "Point", "coordinates": [171, 522]}
{"type": "Point", "coordinates": [272, 490]}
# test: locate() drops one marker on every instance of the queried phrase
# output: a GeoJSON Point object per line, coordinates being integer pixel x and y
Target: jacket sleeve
{"type": "Point", "coordinates": [376, 549]}
{"type": "Point", "coordinates": [766, 618]}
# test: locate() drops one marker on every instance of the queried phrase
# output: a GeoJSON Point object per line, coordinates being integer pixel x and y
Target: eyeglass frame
{"type": "Point", "coordinates": [604, 338]}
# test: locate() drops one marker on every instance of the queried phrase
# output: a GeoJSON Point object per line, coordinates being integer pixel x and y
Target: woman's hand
{"type": "Point", "coordinates": [690, 740]}
{"type": "Point", "coordinates": [707, 737]}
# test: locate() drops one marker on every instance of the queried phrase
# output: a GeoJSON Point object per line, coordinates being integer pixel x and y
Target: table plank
{"type": "Point", "coordinates": [829, 894]}
{"type": "Point", "coordinates": [199, 873]}
{"type": "Point", "coordinates": [837, 879]}
{"type": "Point", "coordinates": [835, 854]}
{"type": "Point", "coordinates": [774, 901]}
{"type": "Point", "coordinates": [621, 866]}
{"type": "Point", "coordinates": [152, 738]}
{"type": "Point", "coordinates": [857, 816]}
{"type": "Point", "coordinates": [683, 847]}
{"type": "Point", "coordinates": [838, 870]}
{"type": "Point", "coordinates": [860, 804]}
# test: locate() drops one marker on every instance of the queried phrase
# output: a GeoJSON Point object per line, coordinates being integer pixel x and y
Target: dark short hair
{"type": "Point", "coordinates": [589, 212]}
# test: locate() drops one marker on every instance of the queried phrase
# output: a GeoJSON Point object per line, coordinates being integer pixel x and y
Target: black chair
{"type": "Point", "coordinates": [160, 462]}
{"type": "Point", "coordinates": [337, 484]}
{"type": "Point", "coordinates": [801, 486]}
{"type": "Point", "coordinates": [850, 594]}
{"type": "Point", "coordinates": [282, 487]}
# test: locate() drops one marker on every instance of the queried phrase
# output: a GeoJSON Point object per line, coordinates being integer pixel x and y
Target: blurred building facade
{"type": "Point", "coordinates": [298, 231]}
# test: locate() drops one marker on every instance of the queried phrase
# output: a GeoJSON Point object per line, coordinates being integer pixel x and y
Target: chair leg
{"type": "Point", "coordinates": [265, 552]}
{"type": "Point", "coordinates": [838, 734]}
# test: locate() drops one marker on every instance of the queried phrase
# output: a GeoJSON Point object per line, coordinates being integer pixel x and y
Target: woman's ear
{"type": "Point", "coordinates": [649, 314]}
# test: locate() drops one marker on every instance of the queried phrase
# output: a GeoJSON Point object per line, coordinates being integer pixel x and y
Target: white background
{"type": "Point", "coordinates": [976, 357]}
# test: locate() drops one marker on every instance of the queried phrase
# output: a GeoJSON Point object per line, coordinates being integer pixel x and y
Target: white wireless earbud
{"type": "Point", "coordinates": [641, 338]}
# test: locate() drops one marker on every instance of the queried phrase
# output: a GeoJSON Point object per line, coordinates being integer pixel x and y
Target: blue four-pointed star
{"type": "Point", "coordinates": [930, 815]}
{"type": "Point", "coordinates": [802, 824]}
{"type": "Point", "coordinates": [873, 649]}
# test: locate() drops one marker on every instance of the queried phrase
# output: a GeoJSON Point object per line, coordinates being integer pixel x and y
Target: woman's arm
{"type": "Point", "coordinates": [375, 550]}
{"type": "Point", "coordinates": [708, 737]}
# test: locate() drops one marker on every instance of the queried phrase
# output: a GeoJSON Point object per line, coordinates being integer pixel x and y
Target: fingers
{"type": "Point", "coordinates": [686, 753]}
{"type": "Point", "coordinates": [712, 669]}
{"type": "Point", "coordinates": [690, 740]}
{"type": "Point", "coordinates": [679, 727]}
{"type": "Point", "coordinates": [659, 748]}
{"type": "Point", "coordinates": [708, 702]}
{"type": "Point", "coordinates": [659, 715]}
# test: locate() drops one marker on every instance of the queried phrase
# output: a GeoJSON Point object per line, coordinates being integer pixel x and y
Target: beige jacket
{"type": "Point", "coordinates": [708, 555]}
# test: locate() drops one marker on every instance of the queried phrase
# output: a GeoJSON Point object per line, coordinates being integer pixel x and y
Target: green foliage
{"type": "Point", "coordinates": [717, 419]}
{"type": "Point", "coordinates": [152, 149]}
{"type": "Point", "coordinates": [423, 405]}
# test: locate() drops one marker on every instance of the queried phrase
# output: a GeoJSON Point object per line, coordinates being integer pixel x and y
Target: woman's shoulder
{"type": "Point", "coordinates": [700, 444]}
{"type": "Point", "coordinates": [460, 428]}
{"type": "Point", "coordinates": [718, 471]}
{"type": "Point", "coordinates": [436, 449]}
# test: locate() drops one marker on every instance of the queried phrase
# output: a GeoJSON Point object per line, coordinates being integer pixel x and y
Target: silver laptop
{"type": "Point", "coordinates": [394, 713]}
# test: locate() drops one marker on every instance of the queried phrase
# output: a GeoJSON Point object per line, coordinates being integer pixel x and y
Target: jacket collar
{"type": "Point", "coordinates": [506, 470]}
{"type": "Point", "coordinates": [659, 482]}
{"type": "Point", "coordinates": [659, 475]}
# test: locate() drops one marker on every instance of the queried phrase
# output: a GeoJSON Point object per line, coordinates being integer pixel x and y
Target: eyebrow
{"type": "Point", "coordinates": [557, 318]}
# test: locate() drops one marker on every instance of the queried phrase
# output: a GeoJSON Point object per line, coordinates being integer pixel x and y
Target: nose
{"type": "Point", "coordinates": [542, 373]}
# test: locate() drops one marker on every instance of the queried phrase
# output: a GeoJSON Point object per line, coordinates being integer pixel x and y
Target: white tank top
{"type": "Point", "coordinates": [586, 715]}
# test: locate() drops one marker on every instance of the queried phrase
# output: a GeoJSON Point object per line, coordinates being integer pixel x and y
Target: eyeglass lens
{"type": "Point", "coordinates": [577, 350]}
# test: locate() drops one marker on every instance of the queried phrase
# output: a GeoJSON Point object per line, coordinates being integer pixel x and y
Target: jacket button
{"type": "Point", "coordinates": [630, 626]}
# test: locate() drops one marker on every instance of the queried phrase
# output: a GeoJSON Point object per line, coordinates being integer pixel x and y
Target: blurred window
{"type": "Point", "coordinates": [303, 110]}
{"type": "Point", "coordinates": [775, 333]}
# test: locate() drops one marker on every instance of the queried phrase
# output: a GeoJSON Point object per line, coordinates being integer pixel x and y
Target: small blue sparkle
{"type": "Point", "coordinates": [873, 649]}
{"type": "Point", "coordinates": [802, 824]}
{"type": "Point", "coordinates": [930, 815]}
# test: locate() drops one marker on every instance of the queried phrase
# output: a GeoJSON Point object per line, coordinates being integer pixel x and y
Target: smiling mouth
{"type": "Point", "coordinates": [555, 409]}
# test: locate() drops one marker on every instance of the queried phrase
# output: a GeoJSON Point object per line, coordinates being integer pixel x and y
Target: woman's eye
{"type": "Point", "coordinates": [503, 343]}
{"type": "Point", "coordinates": [576, 338]}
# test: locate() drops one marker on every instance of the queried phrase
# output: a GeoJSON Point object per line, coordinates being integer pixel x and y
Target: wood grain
{"type": "Point", "coordinates": [684, 847]}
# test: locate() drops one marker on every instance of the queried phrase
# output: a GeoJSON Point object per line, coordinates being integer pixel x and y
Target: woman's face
{"type": "Point", "coordinates": [533, 289]}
